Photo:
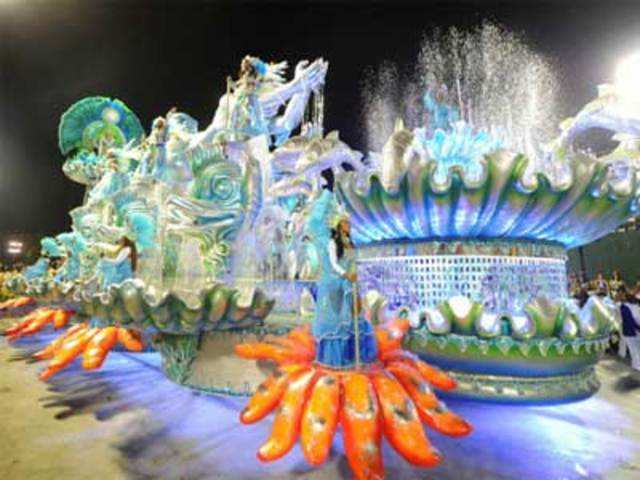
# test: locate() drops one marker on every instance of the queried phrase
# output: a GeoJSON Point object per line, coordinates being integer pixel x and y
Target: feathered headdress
{"type": "Point", "coordinates": [269, 72]}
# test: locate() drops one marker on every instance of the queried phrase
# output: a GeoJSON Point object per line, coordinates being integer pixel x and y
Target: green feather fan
{"type": "Point", "coordinates": [94, 119]}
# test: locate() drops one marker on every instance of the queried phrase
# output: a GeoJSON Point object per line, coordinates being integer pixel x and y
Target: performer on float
{"type": "Point", "coordinates": [344, 372]}
{"type": "Point", "coordinates": [337, 307]}
{"type": "Point", "coordinates": [250, 107]}
{"type": "Point", "coordinates": [119, 265]}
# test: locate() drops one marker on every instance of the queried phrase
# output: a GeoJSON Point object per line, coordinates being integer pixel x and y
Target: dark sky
{"type": "Point", "coordinates": [154, 55]}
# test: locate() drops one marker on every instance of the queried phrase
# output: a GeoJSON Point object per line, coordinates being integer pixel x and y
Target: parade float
{"type": "Point", "coordinates": [224, 245]}
{"type": "Point", "coordinates": [469, 228]}
{"type": "Point", "coordinates": [153, 247]}
{"type": "Point", "coordinates": [180, 235]}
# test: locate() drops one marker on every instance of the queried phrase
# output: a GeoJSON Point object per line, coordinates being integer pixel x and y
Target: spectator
{"type": "Point", "coordinates": [616, 282]}
{"type": "Point", "coordinates": [600, 286]}
{"type": "Point", "coordinates": [636, 291]}
{"type": "Point", "coordinates": [630, 313]}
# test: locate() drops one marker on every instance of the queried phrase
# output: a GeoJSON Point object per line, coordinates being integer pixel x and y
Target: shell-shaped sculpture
{"type": "Point", "coordinates": [218, 308]}
{"type": "Point", "coordinates": [547, 315]}
{"type": "Point", "coordinates": [463, 313]}
{"type": "Point", "coordinates": [523, 327]}
{"type": "Point", "coordinates": [501, 201]}
{"type": "Point", "coordinates": [436, 322]}
{"type": "Point", "coordinates": [542, 318]}
{"type": "Point", "coordinates": [488, 325]}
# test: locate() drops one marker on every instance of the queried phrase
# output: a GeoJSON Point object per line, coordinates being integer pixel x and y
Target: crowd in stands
{"type": "Point", "coordinates": [5, 272]}
{"type": "Point", "coordinates": [626, 299]}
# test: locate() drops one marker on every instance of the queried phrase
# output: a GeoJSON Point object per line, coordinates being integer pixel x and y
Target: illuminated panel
{"type": "Point", "coordinates": [503, 283]}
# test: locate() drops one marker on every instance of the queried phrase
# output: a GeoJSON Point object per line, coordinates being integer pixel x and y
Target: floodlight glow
{"type": "Point", "coordinates": [627, 77]}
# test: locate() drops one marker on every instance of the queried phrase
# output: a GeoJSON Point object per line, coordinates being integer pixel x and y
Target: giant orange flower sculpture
{"type": "Point", "coordinates": [36, 321]}
{"type": "Point", "coordinates": [392, 397]}
{"type": "Point", "coordinates": [93, 343]}
{"type": "Point", "coordinates": [15, 303]}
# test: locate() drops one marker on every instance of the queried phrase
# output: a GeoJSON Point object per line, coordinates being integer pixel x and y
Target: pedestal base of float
{"type": "Point", "coordinates": [207, 362]}
{"type": "Point", "coordinates": [503, 369]}
{"type": "Point", "coordinates": [525, 390]}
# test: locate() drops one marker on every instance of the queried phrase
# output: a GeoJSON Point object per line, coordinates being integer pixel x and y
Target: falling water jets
{"type": "Point", "coordinates": [495, 80]}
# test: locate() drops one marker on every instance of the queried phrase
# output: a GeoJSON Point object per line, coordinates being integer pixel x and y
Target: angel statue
{"type": "Point", "coordinates": [251, 105]}
{"type": "Point", "coordinates": [341, 340]}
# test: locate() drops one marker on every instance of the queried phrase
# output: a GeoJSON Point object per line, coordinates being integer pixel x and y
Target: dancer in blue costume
{"type": "Point", "coordinates": [334, 326]}
{"type": "Point", "coordinates": [119, 268]}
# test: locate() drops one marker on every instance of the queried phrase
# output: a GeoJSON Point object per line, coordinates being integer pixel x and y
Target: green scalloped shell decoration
{"type": "Point", "coordinates": [502, 202]}
{"type": "Point", "coordinates": [217, 308]}
{"type": "Point", "coordinates": [503, 346]}
{"type": "Point", "coordinates": [462, 313]}
{"type": "Point", "coordinates": [547, 315]}
{"type": "Point", "coordinates": [94, 119]}
{"type": "Point", "coordinates": [543, 319]}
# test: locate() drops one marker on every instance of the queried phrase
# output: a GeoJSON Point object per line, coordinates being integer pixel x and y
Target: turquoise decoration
{"type": "Point", "coordinates": [74, 246]}
{"type": "Point", "coordinates": [92, 119]}
{"type": "Point", "coordinates": [50, 247]}
{"type": "Point", "coordinates": [500, 203]}
{"type": "Point", "coordinates": [458, 147]}
{"type": "Point", "coordinates": [143, 230]}
{"type": "Point", "coordinates": [37, 270]}
{"type": "Point", "coordinates": [442, 116]}
{"type": "Point", "coordinates": [259, 65]}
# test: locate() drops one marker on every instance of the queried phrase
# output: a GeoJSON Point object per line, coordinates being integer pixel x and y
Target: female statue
{"type": "Point", "coordinates": [250, 108]}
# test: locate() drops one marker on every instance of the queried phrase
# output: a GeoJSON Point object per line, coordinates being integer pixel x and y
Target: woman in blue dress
{"type": "Point", "coordinates": [120, 266]}
{"type": "Point", "coordinates": [334, 327]}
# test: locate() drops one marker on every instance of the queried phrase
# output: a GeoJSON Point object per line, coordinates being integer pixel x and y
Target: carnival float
{"type": "Point", "coordinates": [225, 250]}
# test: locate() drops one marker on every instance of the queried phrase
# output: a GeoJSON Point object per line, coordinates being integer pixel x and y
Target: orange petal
{"type": "Point", "coordinates": [61, 318]}
{"type": "Point", "coordinates": [445, 421]}
{"type": "Point", "coordinates": [417, 388]}
{"type": "Point", "coordinates": [286, 424]}
{"type": "Point", "coordinates": [269, 351]}
{"type": "Point", "coordinates": [21, 324]}
{"type": "Point", "coordinates": [42, 318]}
{"type": "Point", "coordinates": [320, 419]}
{"type": "Point", "coordinates": [303, 336]}
{"type": "Point", "coordinates": [266, 397]}
{"type": "Point", "coordinates": [68, 352]}
{"type": "Point", "coordinates": [130, 339]}
{"type": "Point", "coordinates": [402, 425]}
{"type": "Point", "coordinates": [22, 302]}
{"type": "Point", "coordinates": [50, 350]}
{"type": "Point", "coordinates": [98, 347]}
{"type": "Point", "coordinates": [390, 335]}
{"type": "Point", "coordinates": [433, 375]}
{"type": "Point", "coordinates": [297, 349]}
{"type": "Point", "coordinates": [361, 428]}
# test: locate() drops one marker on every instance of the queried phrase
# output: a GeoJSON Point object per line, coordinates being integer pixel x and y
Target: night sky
{"type": "Point", "coordinates": [154, 55]}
